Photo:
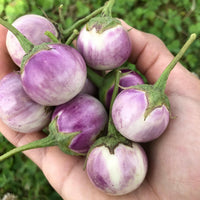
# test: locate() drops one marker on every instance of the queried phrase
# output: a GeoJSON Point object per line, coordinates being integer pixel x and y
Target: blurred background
{"type": "Point", "coordinates": [171, 20]}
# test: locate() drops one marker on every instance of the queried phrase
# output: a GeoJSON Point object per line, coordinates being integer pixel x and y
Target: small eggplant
{"type": "Point", "coordinates": [103, 42]}
{"type": "Point", "coordinates": [129, 117]}
{"type": "Point", "coordinates": [55, 75]}
{"type": "Point", "coordinates": [141, 113]}
{"type": "Point", "coordinates": [33, 27]}
{"type": "Point", "coordinates": [117, 170]}
{"type": "Point", "coordinates": [84, 114]}
{"type": "Point", "coordinates": [17, 110]}
{"type": "Point", "coordinates": [104, 50]}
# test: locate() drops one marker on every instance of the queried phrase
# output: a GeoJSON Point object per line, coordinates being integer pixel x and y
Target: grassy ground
{"type": "Point", "coordinates": [171, 20]}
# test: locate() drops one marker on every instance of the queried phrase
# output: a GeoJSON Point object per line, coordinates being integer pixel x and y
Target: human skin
{"type": "Point", "coordinates": [174, 160]}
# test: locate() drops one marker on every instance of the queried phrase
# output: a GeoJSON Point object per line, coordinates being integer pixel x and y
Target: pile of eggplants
{"type": "Point", "coordinates": [85, 96]}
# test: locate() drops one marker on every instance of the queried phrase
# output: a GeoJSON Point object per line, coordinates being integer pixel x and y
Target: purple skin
{"type": "Point", "coordinates": [33, 27]}
{"type": "Point", "coordinates": [89, 88]}
{"type": "Point", "coordinates": [128, 117]}
{"type": "Point", "coordinates": [131, 79]}
{"type": "Point", "coordinates": [119, 173]}
{"type": "Point", "coordinates": [53, 77]}
{"type": "Point", "coordinates": [104, 51]}
{"type": "Point", "coordinates": [84, 113]}
{"type": "Point", "coordinates": [17, 110]}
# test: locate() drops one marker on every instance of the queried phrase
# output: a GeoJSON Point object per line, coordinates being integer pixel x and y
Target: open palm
{"type": "Point", "coordinates": [174, 161]}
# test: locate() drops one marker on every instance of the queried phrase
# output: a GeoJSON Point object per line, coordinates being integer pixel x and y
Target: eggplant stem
{"type": "Point", "coordinates": [25, 43]}
{"type": "Point", "coordinates": [161, 82]}
{"type": "Point", "coordinates": [52, 36]}
{"type": "Point", "coordinates": [72, 37]}
{"type": "Point", "coordinates": [111, 128]}
{"type": "Point", "coordinates": [81, 22]}
{"type": "Point", "coordinates": [47, 141]}
{"type": "Point", "coordinates": [107, 11]}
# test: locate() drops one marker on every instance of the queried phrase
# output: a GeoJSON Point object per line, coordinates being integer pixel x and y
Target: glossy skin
{"type": "Point", "coordinates": [33, 27]}
{"type": "Point", "coordinates": [17, 110]}
{"type": "Point", "coordinates": [83, 113]}
{"type": "Point", "coordinates": [128, 114]}
{"type": "Point", "coordinates": [174, 160]}
{"type": "Point", "coordinates": [104, 51]}
{"type": "Point", "coordinates": [118, 173]}
{"type": "Point", "coordinates": [53, 77]}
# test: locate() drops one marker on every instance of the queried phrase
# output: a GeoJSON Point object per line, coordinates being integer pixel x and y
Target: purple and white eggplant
{"type": "Point", "coordinates": [54, 76]}
{"type": "Point", "coordinates": [104, 50]}
{"type": "Point", "coordinates": [128, 115]}
{"type": "Point", "coordinates": [118, 172]}
{"type": "Point", "coordinates": [33, 27]}
{"type": "Point", "coordinates": [17, 110]}
{"type": "Point", "coordinates": [141, 113]}
{"type": "Point", "coordinates": [84, 114]}
{"type": "Point", "coordinates": [103, 42]}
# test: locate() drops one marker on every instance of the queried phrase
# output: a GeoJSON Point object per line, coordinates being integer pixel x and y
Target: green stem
{"type": "Point", "coordinates": [25, 43]}
{"type": "Point", "coordinates": [107, 11]}
{"type": "Point", "coordinates": [111, 128]}
{"type": "Point", "coordinates": [161, 82]}
{"type": "Point", "coordinates": [47, 141]}
{"type": "Point", "coordinates": [52, 36]}
{"type": "Point", "coordinates": [61, 17]}
{"type": "Point", "coordinates": [80, 22]}
{"type": "Point", "coordinates": [72, 37]}
{"type": "Point", "coordinates": [94, 77]}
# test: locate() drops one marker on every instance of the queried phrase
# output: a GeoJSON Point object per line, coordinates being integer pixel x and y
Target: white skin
{"type": "Point", "coordinates": [174, 160]}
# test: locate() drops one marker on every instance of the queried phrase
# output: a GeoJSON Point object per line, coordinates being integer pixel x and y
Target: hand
{"type": "Point", "coordinates": [174, 160]}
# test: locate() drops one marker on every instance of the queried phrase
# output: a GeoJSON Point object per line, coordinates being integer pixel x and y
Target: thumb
{"type": "Point", "coordinates": [151, 57]}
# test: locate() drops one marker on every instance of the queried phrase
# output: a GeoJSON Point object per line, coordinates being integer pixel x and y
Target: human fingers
{"type": "Point", "coordinates": [6, 64]}
{"type": "Point", "coordinates": [151, 57]}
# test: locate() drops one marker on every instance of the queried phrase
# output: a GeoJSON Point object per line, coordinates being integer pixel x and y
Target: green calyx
{"type": "Point", "coordinates": [63, 139]}
{"type": "Point", "coordinates": [55, 138]}
{"type": "Point", "coordinates": [29, 48]}
{"type": "Point", "coordinates": [102, 24]}
{"type": "Point", "coordinates": [155, 98]}
{"type": "Point", "coordinates": [105, 21]}
{"type": "Point", "coordinates": [66, 33]}
{"type": "Point", "coordinates": [111, 141]}
{"type": "Point", "coordinates": [33, 51]}
{"type": "Point", "coordinates": [104, 10]}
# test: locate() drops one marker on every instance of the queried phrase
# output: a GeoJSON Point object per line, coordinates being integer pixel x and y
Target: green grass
{"type": "Point", "coordinates": [20, 176]}
{"type": "Point", "coordinates": [171, 20]}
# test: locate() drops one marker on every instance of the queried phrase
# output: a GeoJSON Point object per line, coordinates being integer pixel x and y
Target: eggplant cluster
{"type": "Point", "coordinates": [87, 97]}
